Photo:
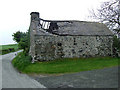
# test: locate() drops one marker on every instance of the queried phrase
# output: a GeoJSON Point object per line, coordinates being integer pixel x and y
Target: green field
{"type": "Point", "coordinates": [4, 49]}
{"type": "Point", "coordinates": [67, 65]}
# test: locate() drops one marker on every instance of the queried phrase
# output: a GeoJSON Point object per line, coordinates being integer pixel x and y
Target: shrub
{"type": "Point", "coordinates": [23, 40]}
{"type": "Point", "coordinates": [116, 45]}
{"type": "Point", "coordinates": [11, 49]}
{"type": "Point", "coordinates": [21, 61]}
{"type": "Point", "coordinates": [5, 51]}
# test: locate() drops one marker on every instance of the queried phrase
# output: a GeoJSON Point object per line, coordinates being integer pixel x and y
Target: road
{"type": "Point", "coordinates": [102, 78]}
{"type": "Point", "coordinates": [13, 79]}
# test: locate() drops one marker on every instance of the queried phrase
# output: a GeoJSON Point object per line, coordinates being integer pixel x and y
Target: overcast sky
{"type": "Point", "coordinates": [15, 14]}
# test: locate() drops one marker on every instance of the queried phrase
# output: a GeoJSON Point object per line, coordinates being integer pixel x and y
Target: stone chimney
{"type": "Point", "coordinates": [34, 26]}
{"type": "Point", "coordinates": [35, 18]}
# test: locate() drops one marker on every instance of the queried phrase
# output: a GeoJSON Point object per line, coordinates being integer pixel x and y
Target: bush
{"type": "Point", "coordinates": [18, 35]}
{"type": "Point", "coordinates": [116, 46]}
{"type": "Point", "coordinates": [21, 61]}
{"type": "Point", "coordinates": [11, 49]}
{"type": "Point", "coordinates": [5, 51]}
{"type": "Point", "coordinates": [23, 44]}
{"type": "Point", "coordinates": [23, 40]}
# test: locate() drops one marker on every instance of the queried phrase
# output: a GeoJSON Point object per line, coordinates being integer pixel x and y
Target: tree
{"type": "Point", "coordinates": [17, 36]}
{"type": "Point", "coordinates": [23, 40]}
{"type": "Point", "coordinates": [109, 13]}
{"type": "Point", "coordinates": [23, 44]}
{"type": "Point", "coordinates": [116, 46]}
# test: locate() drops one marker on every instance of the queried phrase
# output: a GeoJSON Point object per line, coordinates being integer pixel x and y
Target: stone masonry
{"type": "Point", "coordinates": [65, 39]}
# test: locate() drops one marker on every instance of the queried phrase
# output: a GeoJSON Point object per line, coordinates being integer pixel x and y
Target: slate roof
{"type": "Point", "coordinates": [42, 32]}
{"type": "Point", "coordinates": [81, 28]}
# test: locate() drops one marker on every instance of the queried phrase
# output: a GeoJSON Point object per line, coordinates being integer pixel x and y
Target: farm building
{"type": "Point", "coordinates": [68, 39]}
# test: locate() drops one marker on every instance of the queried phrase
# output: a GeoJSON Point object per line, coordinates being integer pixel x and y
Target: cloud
{"type": "Point", "coordinates": [15, 14]}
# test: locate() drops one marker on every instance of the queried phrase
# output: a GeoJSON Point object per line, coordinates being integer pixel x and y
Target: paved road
{"type": "Point", "coordinates": [12, 79]}
{"type": "Point", "coordinates": [103, 78]}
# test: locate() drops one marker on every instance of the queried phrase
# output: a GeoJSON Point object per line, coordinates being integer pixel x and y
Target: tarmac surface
{"type": "Point", "coordinates": [102, 78]}
{"type": "Point", "coordinates": [13, 79]}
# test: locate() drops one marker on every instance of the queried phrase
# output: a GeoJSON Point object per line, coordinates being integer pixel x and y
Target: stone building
{"type": "Point", "coordinates": [68, 39]}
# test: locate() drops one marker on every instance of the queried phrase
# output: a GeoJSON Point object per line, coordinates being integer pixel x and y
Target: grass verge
{"type": "Point", "coordinates": [58, 66]}
{"type": "Point", "coordinates": [4, 49]}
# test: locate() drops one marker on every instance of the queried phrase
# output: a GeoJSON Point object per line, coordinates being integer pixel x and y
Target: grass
{"type": "Point", "coordinates": [15, 46]}
{"type": "Point", "coordinates": [4, 49]}
{"type": "Point", "coordinates": [59, 66]}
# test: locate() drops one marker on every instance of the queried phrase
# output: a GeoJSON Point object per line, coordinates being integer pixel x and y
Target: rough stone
{"type": "Point", "coordinates": [46, 46]}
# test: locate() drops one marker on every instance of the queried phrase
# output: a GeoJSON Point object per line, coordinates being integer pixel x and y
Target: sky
{"type": "Point", "coordinates": [15, 14]}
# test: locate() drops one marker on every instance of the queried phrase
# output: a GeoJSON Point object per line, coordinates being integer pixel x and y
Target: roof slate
{"type": "Point", "coordinates": [82, 28]}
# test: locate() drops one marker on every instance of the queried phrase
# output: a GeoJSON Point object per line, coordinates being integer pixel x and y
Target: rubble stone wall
{"type": "Point", "coordinates": [50, 47]}
{"type": "Point", "coordinates": [32, 43]}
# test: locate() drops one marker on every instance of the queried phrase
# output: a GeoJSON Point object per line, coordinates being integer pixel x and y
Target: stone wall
{"type": "Point", "coordinates": [50, 47]}
{"type": "Point", "coordinates": [33, 30]}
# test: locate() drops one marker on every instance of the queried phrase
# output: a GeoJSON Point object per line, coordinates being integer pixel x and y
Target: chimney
{"type": "Point", "coordinates": [35, 17]}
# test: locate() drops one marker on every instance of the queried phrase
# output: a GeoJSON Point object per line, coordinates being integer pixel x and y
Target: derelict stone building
{"type": "Point", "coordinates": [67, 39]}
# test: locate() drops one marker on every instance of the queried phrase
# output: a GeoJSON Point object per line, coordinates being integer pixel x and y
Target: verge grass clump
{"type": "Point", "coordinates": [65, 65]}
{"type": "Point", "coordinates": [21, 61]}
